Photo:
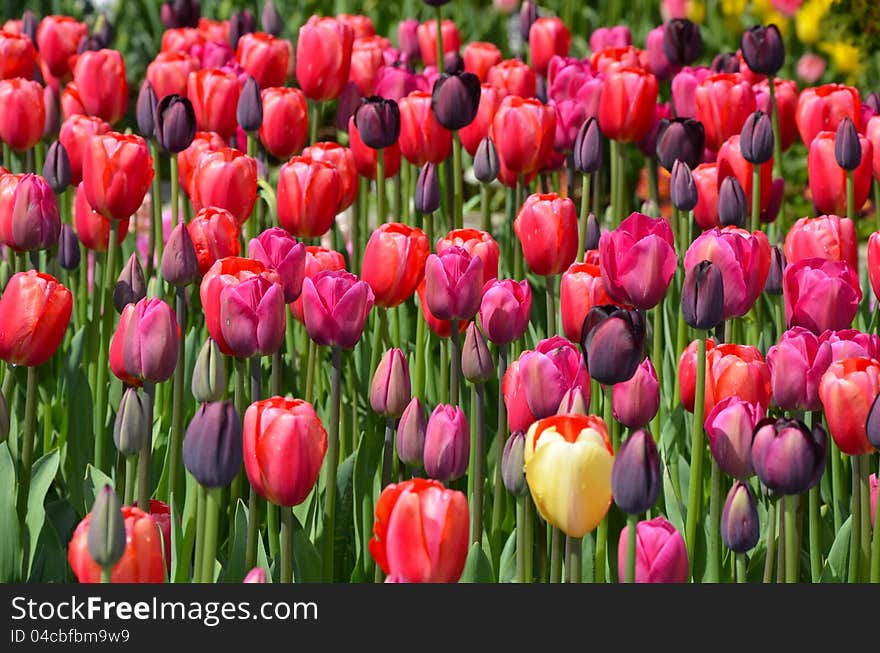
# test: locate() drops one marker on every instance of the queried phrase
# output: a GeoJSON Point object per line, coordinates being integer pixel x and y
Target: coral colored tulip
{"type": "Point", "coordinates": [265, 58]}
{"type": "Point", "coordinates": [706, 211]}
{"type": "Point", "coordinates": [787, 456]}
{"type": "Point", "coordinates": [214, 235]}
{"type": "Point", "coordinates": [58, 38]}
{"type": "Point", "coordinates": [214, 95]}
{"type": "Point", "coordinates": [447, 443]}
{"type": "Point", "coordinates": [422, 138]}
{"type": "Point", "coordinates": [476, 243]}
{"type": "Point", "coordinates": [504, 310]}
{"type": "Point", "coordinates": [821, 294]}
{"type": "Point", "coordinates": [367, 56]}
{"type": "Point", "coordinates": [41, 307]}
{"type": "Point", "coordinates": [661, 554]}
{"type": "Point", "coordinates": [548, 36]}
{"type": "Point", "coordinates": [479, 57]}
{"type": "Point", "coordinates": [568, 462]}
{"type": "Point", "coordinates": [730, 427]}
{"type": "Point", "coordinates": [847, 391]}
{"type": "Point", "coordinates": [723, 102]}
{"type": "Point", "coordinates": [513, 77]}
{"type": "Point", "coordinates": [732, 163]}
{"type": "Point", "coordinates": [453, 284]}
{"type": "Point", "coordinates": [394, 262]}
{"type": "Point", "coordinates": [308, 196]}
{"type": "Point", "coordinates": [335, 308]}
{"type": "Point", "coordinates": [169, 72]}
{"type": "Point", "coordinates": [186, 39]}
{"type": "Point", "coordinates": [318, 259]}
{"type": "Point", "coordinates": [285, 121]}
{"type": "Point", "coordinates": [580, 290]}
{"type": "Point", "coordinates": [797, 363]}
{"type": "Point", "coordinates": [638, 260]}
{"type": "Point", "coordinates": [92, 228]}
{"type": "Point", "coordinates": [145, 342]}
{"type": "Point", "coordinates": [786, 106]}
{"type": "Point", "coordinates": [342, 159]}
{"type": "Point", "coordinates": [142, 561]}
{"type": "Point", "coordinates": [365, 157]}
{"type": "Point", "coordinates": [284, 448]}
{"type": "Point", "coordinates": [427, 35]}
{"type": "Point", "coordinates": [636, 401]}
{"type": "Point", "coordinates": [612, 59]}
{"type": "Point", "coordinates": [189, 158]}
{"type": "Point", "coordinates": [225, 179]}
{"type": "Point", "coordinates": [323, 57]}
{"type": "Point", "coordinates": [100, 79]}
{"type": "Point", "coordinates": [827, 236]}
{"type": "Point", "coordinates": [744, 260]}
{"type": "Point", "coordinates": [478, 129]}
{"type": "Point", "coordinates": [22, 113]}
{"type": "Point", "coordinates": [822, 108]}
{"type": "Point", "coordinates": [117, 172]}
{"type": "Point", "coordinates": [74, 136]}
{"type": "Point", "coordinates": [279, 251]}
{"type": "Point", "coordinates": [626, 106]}
{"type": "Point", "coordinates": [18, 56]}
{"type": "Point", "coordinates": [731, 371]}
{"type": "Point", "coordinates": [29, 218]}
{"type": "Point", "coordinates": [421, 532]}
{"type": "Point", "coordinates": [828, 179]}
{"type": "Point", "coordinates": [71, 102]}
{"type": "Point", "coordinates": [546, 227]}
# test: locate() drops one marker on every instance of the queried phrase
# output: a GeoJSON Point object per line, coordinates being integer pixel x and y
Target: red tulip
{"type": "Point", "coordinates": [581, 289]}
{"type": "Point", "coordinates": [142, 561]}
{"type": "Point", "coordinates": [365, 157]}
{"type": "Point", "coordinates": [823, 107]}
{"type": "Point", "coordinates": [29, 218]}
{"type": "Point", "coordinates": [145, 342]}
{"type": "Point", "coordinates": [786, 106]}
{"type": "Point", "coordinates": [117, 172]}
{"type": "Point", "coordinates": [213, 30]}
{"type": "Point", "coordinates": [215, 235]}
{"type": "Point", "coordinates": [626, 106]}
{"type": "Point", "coordinates": [285, 121]}
{"type": "Point", "coordinates": [17, 56]}
{"type": "Point", "coordinates": [36, 309]}
{"type": "Point", "coordinates": [614, 58]}
{"type": "Point", "coordinates": [828, 180]}
{"type": "Point", "coordinates": [723, 102]}
{"type": "Point", "coordinates": [513, 77]}
{"type": "Point", "coordinates": [476, 243]}
{"type": "Point", "coordinates": [821, 294]}
{"type": "Point", "coordinates": [427, 35]}
{"type": "Point", "coordinates": [308, 197]}
{"type": "Point", "coordinates": [367, 56]}
{"type": "Point", "coordinates": [100, 79]}
{"type": "Point", "coordinates": [706, 211]}
{"type": "Point", "coordinates": [827, 236]}
{"type": "Point", "coordinates": [74, 136]}
{"type": "Point", "coordinates": [421, 532]}
{"type": "Point", "coordinates": [504, 310]}
{"type": "Point", "coordinates": [225, 179]}
{"type": "Point", "coordinates": [394, 262]}
{"type": "Point", "coordinates": [872, 133]}
{"type": "Point", "coordinates": [847, 391]}
{"type": "Point", "coordinates": [169, 72]}
{"type": "Point", "coordinates": [335, 308]}
{"type": "Point", "coordinates": [479, 57]}
{"type": "Point", "coordinates": [638, 260]}
{"type": "Point", "coordinates": [731, 371]}
{"type": "Point", "coordinates": [58, 38]}
{"type": "Point", "coordinates": [535, 126]}
{"type": "Point", "coordinates": [284, 448]}
{"type": "Point", "coordinates": [731, 163]}
{"type": "Point", "coordinates": [71, 102]}
{"type": "Point", "coordinates": [189, 158]}
{"type": "Point", "coordinates": [318, 259]}
{"type": "Point", "coordinates": [341, 158]}
{"type": "Point", "coordinates": [471, 135]}
{"type": "Point", "coordinates": [92, 228]}
{"type": "Point", "coordinates": [362, 26]}
{"type": "Point", "coordinates": [264, 58]}
{"type": "Point", "coordinates": [422, 138]}
{"type": "Point", "coordinates": [546, 227]}
{"type": "Point", "coordinates": [548, 36]}
{"type": "Point", "coordinates": [323, 57]}
{"type": "Point", "coordinates": [187, 39]}
{"type": "Point", "coordinates": [214, 96]}
{"type": "Point", "coordinates": [22, 113]}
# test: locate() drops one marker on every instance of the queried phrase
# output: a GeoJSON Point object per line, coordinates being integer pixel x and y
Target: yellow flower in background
{"type": "Point", "coordinates": [733, 7]}
{"type": "Point", "coordinates": [697, 11]}
{"type": "Point", "coordinates": [845, 56]}
{"type": "Point", "coordinates": [808, 21]}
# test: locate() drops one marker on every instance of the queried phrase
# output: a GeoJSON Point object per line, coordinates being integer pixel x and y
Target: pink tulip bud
{"type": "Point", "coordinates": [144, 345]}
{"type": "Point", "coordinates": [390, 389]}
{"type": "Point", "coordinates": [447, 443]}
{"type": "Point", "coordinates": [504, 310]}
{"type": "Point", "coordinates": [453, 284]}
{"type": "Point", "coordinates": [29, 218]}
{"type": "Point", "coordinates": [252, 317]}
{"type": "Point", "coordinates": [335, 307]}
{"type": "Point", "coordinates": [636, 401]}
{"type": "Point", "coordinates": [255, 575]}
{"type": "Point", "coordinates": [278, 250]}
{"type": "Point", "coordinates": [477, 365]}
{"type": "Point", "coordinates": [730, 427]}
{"type": "Point", "coordinates": [574, 403]}
{"type": "Point", "coordinates": [661, 554]}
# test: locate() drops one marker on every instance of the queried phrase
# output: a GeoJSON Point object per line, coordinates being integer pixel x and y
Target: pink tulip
{"type": "Point", "coordinates": [820, 295]}
{"type": "Point", "coordinates": [797, 363]}
{"type": "Point", "coordinates": [144, 345]}
{"type": "Point", "coordinates": [29, 218]}
{"type": "Point", "coordinates": [849, 343]}
{"type": "Point", "coordinates": [638, 260]}
{"type": "Point", "coordinates": [636, 401]}
{"type": "Point", "coordinates": [255, 575]}
{"type": "Point", "coordinates": [278, 250]}
{"type": "Point", "coordinates": [811, 67]}
{"type": "Point", "coordinates": [661, 554]}
{"type": "Point", "coordinates": [610, 37]}
{"type": "Point", "coordinates": [335, 307]}
{"type": "Point", "coordinates": [827, 236]}
{"type": "Point", "coordinates": [504, 310]}
{"type": "Point", "coordinates": [252, 317]}
{"type": "Point", "coordinates": [396, 82]}
{"type": "Point", "coordinates": [548, 372]}
{"type": "Point", "coordinates": [684, 90]}
{"type": "Point", "coordinates": [447, 443]}
{"type": "Point", "coordinates": [729, 428]}
{"type": "Point", "coordinates": [658, 63]}
{"type": "Point", "coordinates": [453, 281]}
{"type": "Point", "coordinates": [390, 390]}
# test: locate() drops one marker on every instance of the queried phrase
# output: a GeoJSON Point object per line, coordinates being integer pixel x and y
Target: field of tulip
{"type": "Point", "coordinates": [444, 292]}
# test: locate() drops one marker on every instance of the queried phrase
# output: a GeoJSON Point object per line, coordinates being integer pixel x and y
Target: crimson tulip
{"type": "Point", "coordinates": [731, 371]}
{"type": "Point", "coordinates": [342, 159]}
{"type": "Point", "coordinates": [422, 138]}
{"type": "Point", "coordinates": [874, 262]}
{"type": "Point", "coordinates": [74, 136]}
{"type": "Point", "coordinates": [58, 38]}
{"type": "Point", "coordinates": [786, 107]}
{"type": "Point", "coordinates": [22, 113]}
{"type": "Point", "coordinates": [427, 35]}
{"type": "Point", "coordinates": [36, 309]}
{"type": "Point", "coordinates": [225, 179]}
{"type": "Point", "coordinates": [826, 236]}
{"type": "Point", "coordinates": [548, 36]}
{"type": "Point", "coordinates": [626, 106]}
{"type": "Point", "coordinates": [17, 56]}
{"type": "Point", "coordinates": [367, 56]}
{"type": "Point", "coordinates": [189, 158]}
{"type": "Point", "coordinates": [394, 262]}
{"type": "Point", "coordinates": [828, 180]}
{"type": "Point", "coordinates": [100, 79]}
{"type": "Point", "coordinates": [285, 121]}
{"type": "Point", "coordinates": [546, 227]}
{"type": "Point", "coordinates": [92, 228]}
{"type": "Point", "coordinates": [215, 235]}
{"type": "Point", "coordinates": [265, 58]}
{"type": "Point", "coordinates": [214, 96]}
{"type": "Point", "coordinates": [323, 57]}
{"type": "Point", "coordinates": [117, 172]}
{"type": "Point", "coordinates": [723, 102]}
{"type": "Point", "coordinates": [308, 196]}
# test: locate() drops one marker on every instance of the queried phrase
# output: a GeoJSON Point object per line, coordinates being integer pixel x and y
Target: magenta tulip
{"type": "Point", "coordinates": [548, 372]}
{"type": "Point", "coordinates": [661, 554]}
{"type": "Point", "coordinates": [797, 363]}
{"type": "Point", "coordinates": [335, 307]}
{"type": "Point", "coordinates": [278, 250]}
{"type": "Point", "coordinates": [504, 310]}
{"type": "Point", "coordinates": [252, 317]}
{"type": "Point", "coordinates": [144, 345]}
{"type": "Point", "coordinates": [729, 427]}
{"type": "Point", "coordinates": [447, 443]}
{"type": "Point", "coordinates": [820, 295]}
{"type": "Point", "coordinates": [453, 284]}
{"type": "Point", "coordinates": [636, 401]}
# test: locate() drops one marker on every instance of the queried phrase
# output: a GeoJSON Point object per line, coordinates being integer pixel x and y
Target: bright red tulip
{"type": "Point", "coordinates": [731, 371]}
{"type": "Point", "coordinates": [472, 134]}
{"type": "Point", "coordinates": [847, 391]}
{"type": "Point", "coordinates": [394, 262]}
{"type": "Point", "coordinates": [367, 56]}
{"type": "Point", "coordinates": [535, 126]}
{"type": "Point", "coordinates": [169, 72]}
{"type": "Point", "coordinates": [17, 56]}
{"type": "Point", "coordinates": [318, 259]}
{"type": "Point", "coordinates": [706, 211]}
{"type": "Point", "coordinates": [823, 107]}
{"type": "Point", "coordinates": [285, 121]}
{"type": "Point", "coordinates": [614, 58]}
{"type": "Point", "coordinates": [341, 158]}
{"type": "Point", "coordinates": [145, 342]}
{"type": "Point", "coordinates": [215, 235]}
{"type": "Point", "coordinates": [92, 228]}
{"type": "Point", "coordinates": [427, 35]}
{"type": "Point", "coordinates": [821, 295]}
{"type": "Point", "coordinates": [71, 102]}
{"type": "Point", "coordinates": [731, 163]}
{"type": "Point", "coordinates": [58, 38]}
{"type": "Point", "coordinates": [226, 179]}
{"type": "Point", "coordinates": [323, 57]}
{"type": "Point", "coordinates": [786, 106]}
{"type": "Point", "coordinates": [36, 309]}
{"type": "Point", "coordinates": [548, 36]}
{"type": "Point", "coordinates": [308, 197]}
{"type": "Point", "coordinates": [214, 96]}
{"type": "Point", "coordinates": [626, 106]}
{"type": "Point", "coordinates": [723, 102]}
{"type": "Point", "coordinates": [504, 310]}
{"type": "Point", "coordinates": [265, 58]}
{"type": "Point", "coordinates": [22, 113]}
{"type": "Point", "coordinates": [117, 173]}
{"type": "Point", "coordinates": [189, 158]}
{"type": "Point", "coordinates": [580, 290]}
{"type": "Point", "coordinates": [100, 79]}
{"type": "Point", "coordinates": [365, 157]}
{"type": "Point", "coordinates": [335, 308]}
{"type": "Point", "coordinates": [513, 77]}
{"type": "Point", "coordinates": [422, 138]}
{"type": "Point", "coordinates": [479, 57]}
{"type": "Point", "coordinates": [827, 236]}
{"type": "Point", "coordinates": [546, 227]}
{"type": "Point", "coordinates": [828, 180]}
{"type": "Point", "coordinates": [476, 243]}
{"type": "Point", "coordinates": [74, 136]}
{"type": "Point", "coordinates": [421, 532]}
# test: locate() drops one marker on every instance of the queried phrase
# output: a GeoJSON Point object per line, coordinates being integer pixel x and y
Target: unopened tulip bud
{"type": "Point", "coordinates": [132, 426]}
{"type": "Point", "coordinates": [146, 110]}
{"type": "Point", "coordinates": [773, 285]}
{"type": "Point", "coordinates": [726, 62]}
{"type": "Point", "coordinates": [702, 296]}
{"type": "Point", "coordinates": [453, 63]}
{"type": "Point", "coordinates": [680, 138]}
{"type": "Point", "coordinates": [212, 447]}
{"type": "Point", "coordinates": [103, 30]}
{"type": "Point", "coordinates": [763, 49]}
{"type": "Point", "coordinates": [787, 456]}
{"type": "Point", "coordinates": [411, 434]}
{"type": "Point", "coordinates": [240, 23]}
{"type": "Point", "coordinates": [635, 476]}
{"type": "Point", "coordinates": [740, 527]}
{"type": "Point", "coordinates": [593, 232]}
{"type": "Point", "coordinates": [447, 443]}
{"type": "Point", "coordinates": [636, 401]}
{"type": "Point", "coordinates": [52, 124]}
{"type": "Point", "coordinates": [756, 138]}
{"type": "Point", "coordinates": [271, 20]}
{"type": "Point", "coordinates": [175, 126]}
{"type": "Point", "coordinates": [613, 343]}
{"type": "Point", "coordinates": [427, 198]}
{"type": "Point", "coordinates": [209, 374]}
{"type": "Point", "coordinates": [872, 425]}
{"type": "Point", "coordinates": [682, 42]}
{"type": "Point", "coordinates": [732, 205]}
{"type": "Point", "coordinates": [106, 538]}
{"type": "Point", "coordinates": [346, 106]}
{"type": "Point", "coordinates": [131, 286]}
{"type": "Point", "coordinates": [574, 402]}
{"type": "Point", "coordinates": [56, 169]}
{"type": "Point", "coordinates": [29, 24]}
{"type": "Point", "coordinates": [455, 99]}
{"type": "Point", "coordinates": [250, 106]}
{"type": "Point", "coordinates": [4, 418]}
{"type": "Point", "coordinates": [476, 359]}
{"type": "Point", "coordinates": [257, 574]}
{"type": "Point", "coordinates": [513, 471]}
{"type": "Point", "coordinates": [847, 147]}
{"type": "Point", "coordinates": [486, 162]}
{"type": "Point", "coordinates": [91, 44]}
{"type": "Point", "coordinates": [390, 390]}
{"type": "Point", "coordinates": [68, 248]}
{"type": "Point", "coordinates": [588, 147]}
{"type": "Point", "coordinates": [378, 122]}
{"type": "Point", "coordinates": [528, 14]}
{"type": "Point", "coordinates": [682, 187]}
{"type": "Point", "coordinates": [180, 265]}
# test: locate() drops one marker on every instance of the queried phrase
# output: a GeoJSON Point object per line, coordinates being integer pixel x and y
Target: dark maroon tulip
{"type": "Point", "coordinates": [486, 162]}
{"type": "Point", "coordinates": [702, 296]}
{"type": "Point", "coordinates": [763, 49]}
{"type": "Point", "coordinates": [348, 103]}
{"type": "Point", "coordinates": [175, 126]}
{"type": "Point", "coordinates": [249, 111]}
{"type": "Point", "coordinates": [847, 148]}
{"type": "Point", "coordinates": [726, 62]}
{"type": "Point", "coordinates": [56, 169]}
{"type": "Point", "coordinates": [181, 13]}
{"type": "Point", "coordinates": [588, 147]}
{"type": "Point", "coordinates": [740, 527]}
{"type": "Point", "coordinates": [68, 248]}
{"type": "Point", "coordinates": [131, 286]}
{"type": "Point", "coordinates": [613, 343]}
{"type": "Point", "coordinates": [773, 285]}
{"type": "Point", "coordinates": [212, 447]}
{"type": "Point", "coordinates": [682, 187]}
{"type": "Point", "coordinates": [378, 122]}
{"type": "Point", "coordinates": [680, 138]}
{"type": "Point", "coordinates": [787, 456]}
{"type": "Point", "coordinates": [180, 264]}
{"type": "Point", "coordinates": [241, 23]}
{"type": "Point", "coordinates": [593, 232]}
{"type": "Point", "coordinates": [756, 138]}
{"type": "Point", "coordinates": [146, 110]}
{"type": "Point", "coordinates": [455, 99]}
{"type": "Point", "coordinates": [427, 198]}
{"type": "Point", "coordinates": [732, 205]}
{"type": "Point", "coordinates": [682, 42]}
{"type": "Point", "coordinates": [635, 476]}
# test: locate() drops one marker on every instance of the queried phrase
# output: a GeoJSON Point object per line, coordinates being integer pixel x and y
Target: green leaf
{"type": "Point", "coordinates": [234, 570]}
{"type": "Point", "coordinates": [79, 447]}
{"type": "Point", "coordinates": [306, 559]}
{"type": "Point", "coordinates": [94, 481]}
{"type": "Point", "coordinates": [268, 195]}
{"type": "Point", "coordinates": [42, 475]}
{"type": "Point", "coordinates": [183, 538]}
{"type": "Point", "coordinates": [344, 552]}
{"type": "Point", "coordinates": [366, 466]}
{"type": "Point", "coordinates": [836, 565]}
{"type": "Point", "coordinates": [477, 568]}
{"type": "Point", "coordinates": [507, 565]}
{"type": "Point", "coordinates": [10, 553]}
{"type": "Point", "coordinates": [50, 562]}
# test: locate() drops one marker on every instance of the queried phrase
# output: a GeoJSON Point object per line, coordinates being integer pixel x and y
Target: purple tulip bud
{"type": "Point", "coordinates": [427, 198]}
{"type": "Point", "coordinates": [378, 122]}
{"type": "Point", "coordinates": [613, 343]}
{"type": "Point", "coordinates": [455, 99]}
{"type": "Point", "coordinates": [476, 359]}
{"type": "Point", "coordinates": [103, 31]}
{"type": "Point", "coordinates": [56, 169]}
{"type": "Point", "coordinates": [680, 138]}
{"type": "Point", "coordinates": [453, 284]}
{"type": "Point", "coordinates": [447, 443]}
{"type": "Point", "coordinates": [52, 124]}
{"type": "Point", "coordinates": [390, 390]}
{"type": "Point", "coordinates": [258, 574]}
{"type": "Point", "coordinates": [636, 401]}
{"type": "Point", "coordinates": [180, 266]}
{"type": "Point", "coordinates": [588, 147]}
{"type": "Point", "coordinates": [240, 23]}
{"type": "Point", "coordinates": [682, 42]}
{"type": "Point", "coordinates": [35, 223]}
{"type": "Point", "coordinates": [528, 14]}
{"type": "Point", "coordinates": [486, 162]}
{"type": "Point", "coordinates": [787, 456]}
{"type": "Point", "coordinates": [513, 465]}
{"type": "Point", "coordinates": [763, 49]}
{"type": "Point", "coordinates": [730, 427]}
{"type": "Point", "coordinates": [4, 418]}
{"type": "Point", "coordinates": [90, 44]}
{"type": "Point", "coordinates": [68, 248]}
{"type": "Point", "coordinates": [131, 286]}
{"type": "Point", "coordinates": [175, 126]}
{"type": "Point", "coordinates": [726, 62]}
{"type": "Point", "coordinates": [133, 422]}
{"type": "Point", "coordinates": [740, 528]}
{"type": "Point", "coordinates": [773, 285]}
{"type": "Point", "coordinates": [106, 538]}
{"type": "Point", "coordinates": [209, 374]}
{"type": "Point", "coordinates": [453, 63]}
{"type": "Point", "coordinates": [574, 402]}
{"type": "Point", "coordinates": [212, 446]}
{"type": "Point", "coordinates": [249, 111]}
{"type": "Point", "coordinates": [702, 296]}
{"type": "Point", "coordinates": [252, 317]}
{"type": "Point", "coordinates": [270, 19]}
{"type": "Point", "coordinates": [278, 250]}
{"type": "Point", "coordinates": [594, 231]}
{"type": "Point", "coordinates": [411, 434]}
{"type": "Point", "coordinates": [146, 110]}
{"type": "Point", "coordinates": [732, 205]}
{"type": "Point", "coordinates": [847, 147]}
{"type": "Point", "coordinates": [181, 13]}
{"type": "Point", "coordinates": [436, 3]}
{"type": "Point", "coordinates": [635, 476]}
{"type": "Point", "coordinates": [872, 425]}
{"type": "Point", "coordinates": [347, 104]}
{"type": "Point", "coordinates": [756, 138]}
{"type": "Point", "coordinates": [29, 25]}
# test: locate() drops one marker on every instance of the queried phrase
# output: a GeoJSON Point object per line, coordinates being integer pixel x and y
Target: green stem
{"type": "Point", "coordinates": [485, 209]}
{"type": "Point", "coordinates": [556, 554]}
{"type": "Point", "coordinates": [756, 197]}
{"type": "Point", "coordinates": [781, 546]}
{"type": "Point", "coordinates": [695, 487]}
{"type": "Point", "coordinates": [584, 216]}
{"type": "Point", "coordinates": [212, 515]}
{"type": "Point", "coordinates": [106, 574]}
{"type": "Point", "coordinates": [26, 453]}
{"type": "Point", "coordinates": [314, 121]}
{"type": "Point", "coordinates": [200, 534]}
{"type": "Point", "coordinates": [286, 544]}
{"type": "Point", "coordinates": [155, 241]}
{"type": "Point", "coordinates": [615, 179]}
{"type": "Point", "coordinates": [812, 418]}
{"type": "Point", "coordinates": [479, 466]}
{"type": "Point", "coordinates": [792, 550]}
{"type": "Point", "coordinates": [573, 553]}
{"type": "Point", "coordinates": [715, 500]}
{"type": "Point", "coordinates": [741, 568]}
{"type": "Point", "coordinates": [865, 530]}
{"type": "Point", "coordinates": [253, 529]}
{"type": "Point", "coordinates": [771, 542]}
{"type": "Point", "coordinates": [130, 477]}
{"type": "Point", "coordinates": [273, 527]}
{"type": "Point", "coordinates": [653, 190]}
{"type": "Point", "coordinates": [529, 539]}
{"type": "Point", "coordinates": [454, 363]}
{"type": "Point", "coordinates": [406, 183]}
{"type": "Point", "coordinates": [855, 522]}
{"type": "Point", "coordinates": [550, 282]}
{"type": "Point", "coordinates": [101, 384]}
{"type": "Point", "coordinates": [837, 489]}
{"type": "Point", "coordinates": [419, 353]}
{"type": "Point", "coordinates": [275, 377]}
{"type": "Point", "coordinates": [774, 121]}
{"type": "Point", "coordinates": [174, 467]}
{"type": "Point", "coordinates": [457, 181]}
{"type": "Point", "coordinates": [622, 195]}
{"type": "Point", "coordinates": [381, 212]}
{"type": "Point", "coordinates": [310, 371]}
{"type": "Point", "coordinates": [439, 16]}
{"type": "Point", "coordinates": [388, 452]}
{"type": "Point", "coordinates": [632, 522]}
{"type": "Point", "coordinates": [851, 211]}
{"type": "Point", "coordinates": [498, 496]}
{"type": "Point", "coordinates": [657, 362]}
{"type": "Point", "coordinates": [520, 538]}
{"type": "Point", "coordinates": [875, 546]}
{"type": "Point", "coordinates": [332, 463]}
{"type": "Point", "coordinates": [145, 459]}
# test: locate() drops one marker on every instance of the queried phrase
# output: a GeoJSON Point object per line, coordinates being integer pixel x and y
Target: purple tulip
{"type": "Point", "coordinates": [278, 250]}
{"type": "Point", "coordinates": [390, 390]}
{"type": "Point", "coordinates": [447, 443]}
{"type": "Point", "coordinates": [411, 434]}
{"type": "Point", "coordinates": [408, 39]}
{"type": "Point", "coordinates": [821, 295]}
{"type": "Point", "coordinates": [740, 528]}
{"type": "Point", "coordinates": [730, 427]}
{"type": "Point", "coordinates": [252, 317]}
{"type": "Point", "coordinates": [335, 307]}
{"type": "Point", "coordinates": [797, 363]}
{"type": "Point", "coordinates": [180, 265]}
{"type": "Point", "coordinates": [212, 447]}
{"type": "Point", "coordinates": [635, 476]}
{"type": "Point", "coordinates": [453, 284]}
{"type": "Point", "coordinates": [636, 401]}
{"type": "Point", "coordinates": [787, 456]}
{"type": "Point", "coordinates": [144, 345]}
{"type": "Point", "coordinates": [33, 221]}
{"type": "Point", "coordinates": [504, 310]}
